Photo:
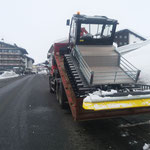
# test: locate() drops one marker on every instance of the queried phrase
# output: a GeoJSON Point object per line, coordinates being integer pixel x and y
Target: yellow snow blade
{"type": "Point", "coordinates": [123, 104]}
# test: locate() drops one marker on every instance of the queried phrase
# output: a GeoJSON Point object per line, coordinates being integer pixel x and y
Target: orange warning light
{"type": "Point", "coordinates": [78, 13]}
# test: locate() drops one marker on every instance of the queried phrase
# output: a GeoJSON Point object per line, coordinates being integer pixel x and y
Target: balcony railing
{"type": "Point", "coordinates": [10, 59]}
{"type": "Point", "coordinates": [6, 53]}
{"type": "Point", "coordinates": [12, 64]}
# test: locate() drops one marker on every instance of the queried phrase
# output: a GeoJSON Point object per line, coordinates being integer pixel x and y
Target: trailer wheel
{"type": "Point", "coordinates": [62, 98]}
{"type": "Point", "coordinates": [57, 90]}
{"type": "Point", "coordinates": [50, 85]}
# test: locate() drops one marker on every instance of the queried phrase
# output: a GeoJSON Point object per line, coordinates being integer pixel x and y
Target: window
{"type": "Point", "coordinates": [73, 29]}
{"type": "Point", "coordinates": [107, 30]}
{"type": "Point", "coordinates": [116, 37]}
{"type": "Point", "coordinates": [120, 43]}
{"type": "Point", "coordinates": [95, 31]}
{"type": "Point", "coordinates": [120, 36]}
{"type": "Point", "coordinates": [125, 37]}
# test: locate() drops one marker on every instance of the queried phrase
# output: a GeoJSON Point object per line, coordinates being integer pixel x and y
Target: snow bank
{"type": "Point", "coordinates": [140, 58]}
{"type": "Point", "coordinates": [8, 74]}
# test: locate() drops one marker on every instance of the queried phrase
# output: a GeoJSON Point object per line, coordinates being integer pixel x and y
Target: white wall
{"type": "Point", "coordinates": [29, 64]}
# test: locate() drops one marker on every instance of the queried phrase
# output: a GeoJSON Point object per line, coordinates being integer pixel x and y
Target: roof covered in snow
{"type": "Point", "coordinates": [131, 32]}
{"type": "Point", "coordinates": [29, 58]}
{"type": "Point", "coordinates": [13, 47]}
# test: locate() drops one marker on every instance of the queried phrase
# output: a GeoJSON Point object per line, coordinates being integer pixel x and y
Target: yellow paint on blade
{"type": "Point", "coordinates": [108, 105]}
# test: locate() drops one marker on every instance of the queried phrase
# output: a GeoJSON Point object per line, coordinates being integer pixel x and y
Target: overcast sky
{"type": "Point", "coordinates": [36, 24]}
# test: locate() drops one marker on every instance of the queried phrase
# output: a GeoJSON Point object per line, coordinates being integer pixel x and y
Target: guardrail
{"type": "Point", "coordinates": [128, 71]}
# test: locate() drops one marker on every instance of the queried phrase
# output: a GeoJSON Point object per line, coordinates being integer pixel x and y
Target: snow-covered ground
{"type": "Point", "coordinates": [140, 58]}
{"type": "Point", "coordinates": [8, 74]}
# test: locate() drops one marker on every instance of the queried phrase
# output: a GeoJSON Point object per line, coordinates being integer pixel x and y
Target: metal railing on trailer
{"type": "Point", "coordinates": [129, 71]}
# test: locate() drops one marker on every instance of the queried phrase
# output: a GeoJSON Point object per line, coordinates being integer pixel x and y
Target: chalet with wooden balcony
{"type": "Point", "coordinates": [11, 56]}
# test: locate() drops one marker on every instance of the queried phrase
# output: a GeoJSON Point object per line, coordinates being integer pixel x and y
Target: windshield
{"type": "Point", "coordinates": [96, 31]}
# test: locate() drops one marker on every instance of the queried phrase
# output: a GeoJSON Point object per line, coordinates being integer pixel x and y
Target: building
{"type": "Point", "coordinates": [126, 36]}
{"type": "Point", "coordinates": [11, 56]}
{"type": "Point", "coordinates": [28, 62]}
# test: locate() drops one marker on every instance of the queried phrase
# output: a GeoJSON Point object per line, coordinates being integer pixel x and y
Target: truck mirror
{"type": "Point", "coordinates": [68, 22]}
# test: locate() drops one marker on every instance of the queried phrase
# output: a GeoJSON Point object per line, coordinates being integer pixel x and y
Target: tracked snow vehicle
{"type": "Point", "coordinates": [87, 62]}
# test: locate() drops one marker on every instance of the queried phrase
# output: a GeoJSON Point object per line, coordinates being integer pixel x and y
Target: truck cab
{"type": "Point", "coordinates": [96, 30]}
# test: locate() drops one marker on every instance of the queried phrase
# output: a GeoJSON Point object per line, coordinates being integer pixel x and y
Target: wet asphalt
{"type": "Point", "coordinates": [31, 119]}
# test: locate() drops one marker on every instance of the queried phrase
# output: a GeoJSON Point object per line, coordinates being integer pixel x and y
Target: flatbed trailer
{"type": "Point", "coordinates": [72, 78]}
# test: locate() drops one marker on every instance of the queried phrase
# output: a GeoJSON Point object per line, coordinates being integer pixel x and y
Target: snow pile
{"type": "Point", "coordinates": [146, 147]}
{"type": "Point", "coordinates": [103, 96]}
{"type": "Point", "coordinates": [140, 58]}
{"type": "Point", "coordinates": [96, 98]}
{"type": "Point", "coordinates": [8, 74]}
{"type": "Point", "coordinates": [103, 93]}
{"type": "Point", "coordinates": [99, 96]}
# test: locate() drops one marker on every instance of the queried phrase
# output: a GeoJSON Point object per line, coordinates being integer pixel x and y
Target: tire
{"type": "Point", "coordinates": [50, 85]}
{"type": "Point", "coordinates": [57, 90]}
{"type": "Point", "coordinates": [62, 98]}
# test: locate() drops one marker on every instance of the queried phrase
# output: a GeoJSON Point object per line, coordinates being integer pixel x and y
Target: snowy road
{"type": "Point", "coordinates": [31, 119]}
